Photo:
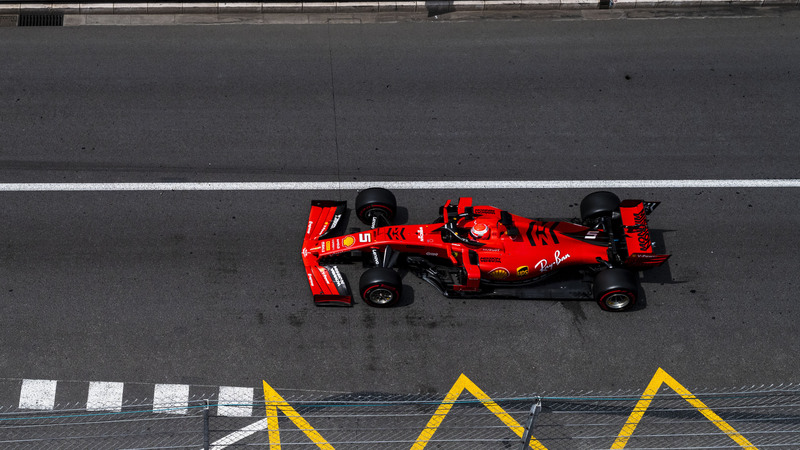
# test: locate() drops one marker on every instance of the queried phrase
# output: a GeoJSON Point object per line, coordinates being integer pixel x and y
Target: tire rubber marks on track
{"type": "Point", "coordinates": [275, 403]}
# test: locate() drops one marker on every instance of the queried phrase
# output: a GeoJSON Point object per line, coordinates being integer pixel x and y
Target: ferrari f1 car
{"type": "Point", "coordinates": [482, 251]}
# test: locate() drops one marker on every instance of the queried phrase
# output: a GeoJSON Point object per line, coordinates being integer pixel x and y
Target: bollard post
{"type": "Point", "coordinates": [206, 432]}
{"type": "Point", "coordinates": [535, 409]}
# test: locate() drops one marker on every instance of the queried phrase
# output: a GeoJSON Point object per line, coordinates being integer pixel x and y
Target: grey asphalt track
{"type": "Point", "coordinates": [207, 287]}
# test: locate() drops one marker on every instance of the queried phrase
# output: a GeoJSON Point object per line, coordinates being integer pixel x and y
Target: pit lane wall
{"type": "Point", "coordinates": [665, 414]}
{"type": "Point", "coordinates": [9, 8]}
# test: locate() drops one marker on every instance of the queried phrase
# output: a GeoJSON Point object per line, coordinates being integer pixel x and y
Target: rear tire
{"type": "Point", "coordinates": [598, 204]}
{"type": "Point", "coordinates": [616, 289]}
{"type": "Point", "coordinates": [380, 287]}
{"type": "Point", "coordinates": [375, 202]}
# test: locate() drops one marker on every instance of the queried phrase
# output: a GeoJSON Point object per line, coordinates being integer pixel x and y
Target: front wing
{"type": "Point", "coordinates": [328, 284]}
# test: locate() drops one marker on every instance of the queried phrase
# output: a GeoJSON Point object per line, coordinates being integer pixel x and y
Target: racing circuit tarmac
{"type": "Point", "coordinates": [207, 288]}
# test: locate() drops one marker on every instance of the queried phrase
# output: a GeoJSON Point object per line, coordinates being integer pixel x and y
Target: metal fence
{"type": "Point", "coordinates": [764, 417]}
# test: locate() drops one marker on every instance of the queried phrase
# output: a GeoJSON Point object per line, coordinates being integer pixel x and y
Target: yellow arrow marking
{"type": "Point", "coordinates": [662, 377]}
{"type": "Point", "coordinates": [274, 402]}
{"type": "Point", "coordinates": [464, 383]}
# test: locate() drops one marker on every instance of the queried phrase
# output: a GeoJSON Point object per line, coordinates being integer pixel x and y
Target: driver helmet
{"type": "Point", "coordinates": [479, 231]}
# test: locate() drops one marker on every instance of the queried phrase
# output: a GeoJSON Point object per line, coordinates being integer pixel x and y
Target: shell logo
{"type": "Point", "coordinates": [348, 241]}
{"type": "Point", "coordinates": [499, 273]}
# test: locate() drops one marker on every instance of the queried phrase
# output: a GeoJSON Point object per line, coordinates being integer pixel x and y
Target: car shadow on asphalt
{"type": "Point", "coordinates": [663, 273]}
{"type": "Point", "coordinates": [406, 297]}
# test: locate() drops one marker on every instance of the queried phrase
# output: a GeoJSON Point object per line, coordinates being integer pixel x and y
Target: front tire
{"type": "Point", "coordinates": [374, 203]}
{"type": "Point", "coordinates": [616, 289]}
{"type": "Point", "coordinates": [380, 287]}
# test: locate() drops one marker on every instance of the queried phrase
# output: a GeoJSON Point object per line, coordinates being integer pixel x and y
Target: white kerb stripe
{"type": "Point", "coordinates": [414, 185]}
{"type": "Point", "coordinates": [104, 396]}
{"type": "Point", "coordinates": [171, 398]}
{"type": "Point", "coordinates": [237, 436]}
{"type": "Point", "coordinates": [235, 401]}
{"type": "Point", "coordinates": [38, 394]}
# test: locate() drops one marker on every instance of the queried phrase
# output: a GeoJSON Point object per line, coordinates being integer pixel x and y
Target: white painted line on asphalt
{"type": "Point", "coordinates": [171, 398]}
{"type": "Point", "coordinates": [38, 394]}
{"type": "Point", "coordinates": [420, 185]}
{"type": "Point", "coordinates": [243, 433]}
{"type": "Point", "coordinates": [235, 401]}
{"type": "Point", "coordinates": [104, 396]}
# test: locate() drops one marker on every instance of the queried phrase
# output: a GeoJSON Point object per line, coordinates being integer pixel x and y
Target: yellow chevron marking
{"type": "Point", "coordinates": [463, 383]}
{"type": "Point", "coordinates": [274, 402]}
{"type": "Point", "coordinates": [662, 377]}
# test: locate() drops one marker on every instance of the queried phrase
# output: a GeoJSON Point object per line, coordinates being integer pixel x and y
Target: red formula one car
{"type": "Point", "coordinates": [482, 251]}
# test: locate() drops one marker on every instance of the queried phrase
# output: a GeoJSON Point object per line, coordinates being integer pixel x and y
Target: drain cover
{"type": "Point", "coordinates": [8, 20]}
{"type": "Point", "coordinates": [41, 20]}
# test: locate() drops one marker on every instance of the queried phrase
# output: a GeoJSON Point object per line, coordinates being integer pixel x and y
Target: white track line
{"type": "Point", "coordinates": [104, 396]}
{"type": "Point", "coordinates": [235, 401]}
{"type": "Point", "coordinates": [169, 398]}
{"type": "Point", "coordinates": [420, 185]}
{"type": "Point", "coordinates": [237, 436]}
{"type": "Point", "coordinates": [38, 394]}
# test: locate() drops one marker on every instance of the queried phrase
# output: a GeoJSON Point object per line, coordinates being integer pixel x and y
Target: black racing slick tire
{"type": "Point", "coordinates": [380, 287]}
{"type": "Point", "coordinates": [598, 204]}
{"type": "Point", "coordinates": [375, 202]}
{"type": "Point", "coordinates": [616, 289]}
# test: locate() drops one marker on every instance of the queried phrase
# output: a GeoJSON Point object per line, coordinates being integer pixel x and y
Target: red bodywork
{"type": "Point", "coordinates": [514, 250]}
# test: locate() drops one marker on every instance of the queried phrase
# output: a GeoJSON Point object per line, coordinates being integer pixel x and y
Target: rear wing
{"type": "Point", "coordinates": [639, 245]}
{"type": "Point", "coordinates": [328, 285]}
